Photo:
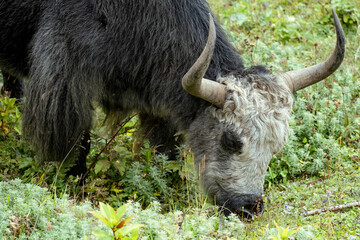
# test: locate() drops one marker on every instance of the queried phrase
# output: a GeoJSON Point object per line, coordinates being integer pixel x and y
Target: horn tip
{"type": "Point", "coordinates": [333, 11]}
{"type": "Point", "coordinates": [339, 31]}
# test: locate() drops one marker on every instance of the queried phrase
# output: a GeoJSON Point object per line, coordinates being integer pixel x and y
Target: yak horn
{"type": "Point", "coordinates": [193, 81]}
{"type": "Point", "coordinates": [302, 78]}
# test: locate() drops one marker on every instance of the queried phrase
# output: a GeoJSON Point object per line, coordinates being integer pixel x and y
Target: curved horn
{"type": "Point", "coordinates": [305, 77]}
{"type": "Point", "coordinates": [193, 81]}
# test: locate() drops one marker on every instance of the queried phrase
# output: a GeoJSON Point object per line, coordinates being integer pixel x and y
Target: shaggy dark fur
{"type": "Point", "coordinates": [127, 55]}
{"type": "Point", "coordinates": [18, 21]}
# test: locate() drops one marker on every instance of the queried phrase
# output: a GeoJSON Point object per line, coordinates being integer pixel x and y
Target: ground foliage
{"type": "Point", "coordinates": [318, 167]}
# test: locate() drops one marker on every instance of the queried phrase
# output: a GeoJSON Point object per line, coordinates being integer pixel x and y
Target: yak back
{"type": "Point", "coordinates": [127, 55]}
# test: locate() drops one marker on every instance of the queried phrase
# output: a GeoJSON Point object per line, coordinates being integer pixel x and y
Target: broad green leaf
{"type": "Point", "coordinates": [102, 165]}
{"type": "Point", "coordinates": [121, 211]}
{"type": "Point", "coordinates": [103, 219]}
{"type": "Point", "coordinates": [109, 213]}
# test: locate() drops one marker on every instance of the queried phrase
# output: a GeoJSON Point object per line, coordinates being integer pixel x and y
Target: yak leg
{"type": "Point", "coordinates": [160, 134]}
{"type": "Point", "coordinates": [79, 169]}
{"type": "Point", "coordinates": [13, 87]}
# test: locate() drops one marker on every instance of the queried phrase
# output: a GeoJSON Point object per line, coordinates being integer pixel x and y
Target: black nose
{"type": "Point", "coordinates": [244, 206]}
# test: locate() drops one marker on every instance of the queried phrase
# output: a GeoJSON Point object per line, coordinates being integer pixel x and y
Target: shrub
{"type": "Point", "coordinates": [31, 212]}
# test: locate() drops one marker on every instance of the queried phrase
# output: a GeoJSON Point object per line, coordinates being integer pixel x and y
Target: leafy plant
{"type": "Point", "coordinates": [10, 116]}
{"type": "Point", "coordinates": [120, 229]}
{"type": "Point", "coordinates": [129, 169]}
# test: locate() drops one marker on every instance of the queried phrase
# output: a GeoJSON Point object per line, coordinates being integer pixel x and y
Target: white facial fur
{"type": "Point", "coordinates": [256, 112]}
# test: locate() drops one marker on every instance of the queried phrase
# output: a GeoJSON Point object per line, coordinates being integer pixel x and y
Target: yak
{"type": "Point", "coordinates": [169, 60]}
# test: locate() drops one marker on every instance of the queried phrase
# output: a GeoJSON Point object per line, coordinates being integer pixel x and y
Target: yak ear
{"type": "Point", "coordinates": [302, 78]}
{"type": "Point", "coordinates": [195, 83]}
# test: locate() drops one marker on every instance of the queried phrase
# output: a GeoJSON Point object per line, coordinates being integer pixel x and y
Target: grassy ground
{"type": "Point", "coordinates": [286, 203]}
{"type": "Point", "coordinates": [318, 168]}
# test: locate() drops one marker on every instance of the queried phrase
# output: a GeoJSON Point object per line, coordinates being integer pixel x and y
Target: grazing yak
{"type": "Point", "coordinates": [170, 61]}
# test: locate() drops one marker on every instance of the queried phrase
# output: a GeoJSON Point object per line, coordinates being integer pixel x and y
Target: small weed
{"type": "Point", "coordinates": [120, 229]}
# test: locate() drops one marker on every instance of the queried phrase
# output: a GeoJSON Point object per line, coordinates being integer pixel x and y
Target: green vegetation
{"type": "Point", "coordinates": [114, 220]}
{"type": "Point", "coordinates": [317, 168]}
{"type": "Point", "coordinates": [30, 212]}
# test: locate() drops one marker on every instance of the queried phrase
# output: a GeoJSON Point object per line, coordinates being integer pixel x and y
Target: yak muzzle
{"type": "Point", "coordinates": [246, 207]}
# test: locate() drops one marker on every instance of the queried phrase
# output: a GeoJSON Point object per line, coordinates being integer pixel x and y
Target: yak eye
{"type": "Point", "coordinates": [230, 142]}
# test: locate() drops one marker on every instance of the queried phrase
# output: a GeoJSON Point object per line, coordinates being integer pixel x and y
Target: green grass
{"type": "Point", "coordinates": [318, 167]}
{"type": "Point", "coordinates": [286, 203]}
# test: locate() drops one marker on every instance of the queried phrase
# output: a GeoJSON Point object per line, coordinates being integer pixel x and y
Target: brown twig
{"type": "Point", "coordinates": [106, 146]}
{"type": "Point", "coordinates": [331, 209]}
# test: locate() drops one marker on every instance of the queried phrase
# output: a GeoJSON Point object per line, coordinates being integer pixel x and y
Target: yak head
{"type": "Point", "coordinates": [234, 139]}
